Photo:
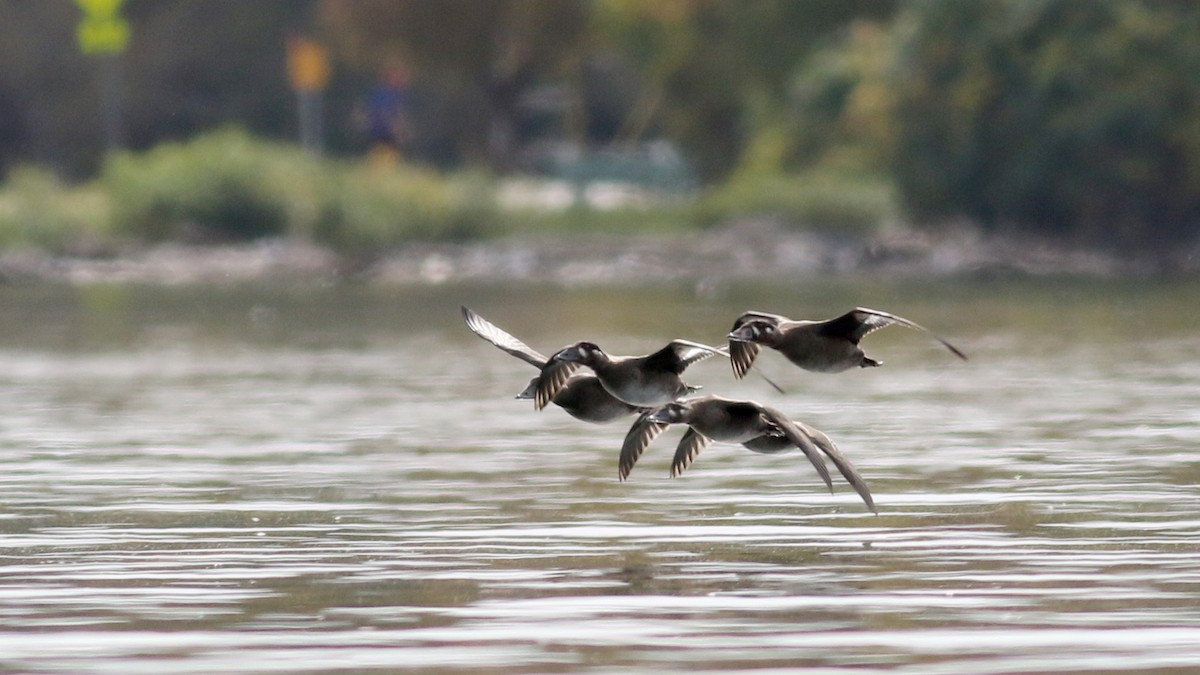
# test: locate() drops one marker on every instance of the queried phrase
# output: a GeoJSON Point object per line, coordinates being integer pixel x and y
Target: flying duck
{"type": "Point", "coordinates": [823, 346]}
{"type": "Point", "coordinates": [644, 381]}
{"type": "Point", "coordinates": [757, 427]}
{"type": "Point", "coordinates": [581, 395]}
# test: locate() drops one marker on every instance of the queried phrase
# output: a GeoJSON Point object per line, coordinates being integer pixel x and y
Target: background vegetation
{"type": "Point", "coordinates": [1077, 119]}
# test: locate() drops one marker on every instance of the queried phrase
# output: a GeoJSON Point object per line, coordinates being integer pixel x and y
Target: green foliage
{"type": "Point", "coordinates": [718, 72]}
{"type": "Point", "coordinates": [223, 185]}
{"type": "Point", "coordinates": [37, 210]}
{"type": "Point", "coordinates": [381, 207]}
{"type": "Point", "coordinates": [230, 186]}
{"type": "Point", "coordinates": [853, 203]}
{"type": "Point", "coordinates": [1066, 116]}
{"type": "Point", "coordinates": [841, 103]}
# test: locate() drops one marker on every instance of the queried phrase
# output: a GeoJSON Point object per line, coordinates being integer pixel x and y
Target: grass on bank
{"type": "Point", "coordinates": [230, 186]}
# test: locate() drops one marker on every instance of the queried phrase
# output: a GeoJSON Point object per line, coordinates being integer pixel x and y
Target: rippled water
{"type": "Point", "coordinates": [338, 479]}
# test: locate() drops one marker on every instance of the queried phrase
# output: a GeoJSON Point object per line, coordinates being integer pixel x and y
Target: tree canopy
{"type": "Point", "coordinates": [1075, 117]}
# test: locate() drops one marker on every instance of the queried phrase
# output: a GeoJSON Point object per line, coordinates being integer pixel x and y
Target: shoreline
{"type": "Point", "coordinates": [746, 251]}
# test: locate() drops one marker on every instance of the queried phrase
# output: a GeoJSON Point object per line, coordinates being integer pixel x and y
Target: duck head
{"type": "Point", "coordinates": [671, 413]}
{"type": "Point", "coordinates": [580, 352]}
{"type": "Point", "coordinates": [531, 390]}
{"type": "Point", "coordinates": [757, 331]}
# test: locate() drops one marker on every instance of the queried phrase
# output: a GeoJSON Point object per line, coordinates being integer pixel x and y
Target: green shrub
{"type": "Point", "coordinates": [377, 207]}
{"type": "Point", "coordinates": [228, 185]}
{"type": "Point", "coordinates": [851, 203]}
{"type": "Point", "coordinates": [1071, 118]}
{"type": "Point", "coordinates": [39, 211]}
{"type": "Point", "coordinates": [225, 184]}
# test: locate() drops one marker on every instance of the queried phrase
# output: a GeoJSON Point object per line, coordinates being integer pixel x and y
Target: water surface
{"type": "Point", "coordinates": [323, 479]}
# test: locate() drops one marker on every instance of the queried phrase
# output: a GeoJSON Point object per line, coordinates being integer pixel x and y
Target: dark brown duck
{"type": "Point", "coordinates": [757, 427]}
{"type": "Point", "coordinates": [829, 346]}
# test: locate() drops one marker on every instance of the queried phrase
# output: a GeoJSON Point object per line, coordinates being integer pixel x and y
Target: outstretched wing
{"type": "Point", "coordinates": [801, 440]}
{"type": "Point", "coordinates": [639, 437]}
{"type": "Point", "coordinates": [860, 322]}
{"type": "Point", "coordinates": [689, 447]}
{"type": "Point", "coordinates": [679, 354]}
{"type": "Point", "coordinates": [495, 335]}
{"type": "Point", "coordinates": [841, 462]}
{"type": "Point", "coordinates": [553, 378]}
{"type": "Point", "coordinates": [844, 465]}
{"type": "Point", "coordinates": [804, 435]}
{"type": "Point", "coordinates": [742, 354]}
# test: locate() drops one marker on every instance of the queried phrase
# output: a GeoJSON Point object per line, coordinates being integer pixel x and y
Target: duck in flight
{"type": "Point", "coordinates": [581, 395]}
{"type": "Point", "coordinates": [757, 427]}
{"type": "Point", "coordinates": [643, 381]}
{"type": "Point", "coordinates": [829, 346]}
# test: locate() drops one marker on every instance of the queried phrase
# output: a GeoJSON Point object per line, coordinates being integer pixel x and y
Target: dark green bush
{"type": "Point", "coordinates": [225, 185]}
{"type": "Point", "coordinates": [853, 203]}
{"type": "Point", "coordinates": [229, 185]}
{"type": "Point", "coordinates": [37, 210]}
{"type": "Point", "coordinates": [1075, 117]}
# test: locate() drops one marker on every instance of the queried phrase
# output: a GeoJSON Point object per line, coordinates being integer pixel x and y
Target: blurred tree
{"type": "Point", "coordinates": [1076, 117]}
{"type": "Point", "coordinates": [842, 104]}
{"type": "Point", "coordinates": [712, 76]}
{"type": "Point", "coordinates": [705, 73]}
{"type": "Point", "coordinates": [718, 73]}
{"type": "Point", "coordinates": [472, 60]}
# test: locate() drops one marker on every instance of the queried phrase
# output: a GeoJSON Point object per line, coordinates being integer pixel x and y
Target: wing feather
{"type": "Point", "coordinates": [640, 435]}
{"type": "Point", "coordinates": [861, 321]}
{"type": "Point", "coordinates": [802, 441]}
{"type": "Point", "coordinates": [742, 354]}
{"type": "Point", "coordinates": [502, 339]}
{"type": "Point", "coordinates": [553, 378]}
{"type": "Point", "coordinates": [843, 464]}
{"type": "Point", "coordinates": [679, 354]}
{"type": "Point", "coordinates": [688, 449]}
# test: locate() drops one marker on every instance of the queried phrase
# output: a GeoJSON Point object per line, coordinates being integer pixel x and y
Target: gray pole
{"type": "Point", "coordinates": [110, 101]}
{"type": "Point", "coordinates": [308, 102]}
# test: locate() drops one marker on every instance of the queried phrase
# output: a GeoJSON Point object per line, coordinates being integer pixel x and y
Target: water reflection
{"type": "Point", "coordinates": [201, 480]}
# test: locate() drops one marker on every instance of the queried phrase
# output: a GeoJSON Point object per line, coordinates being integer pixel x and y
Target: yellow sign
{"type": "Point", "coordinates": [100, 9]}
{"type": "Point", "coordinates": [102, 30]}
{"type": "Point", "coordinates": [103, 37]}
{"type": "Point", "coordinates": [308, 64]}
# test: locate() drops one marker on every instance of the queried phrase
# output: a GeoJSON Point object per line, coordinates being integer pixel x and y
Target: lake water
{"type": "Point", "coordinates": [323, 479]}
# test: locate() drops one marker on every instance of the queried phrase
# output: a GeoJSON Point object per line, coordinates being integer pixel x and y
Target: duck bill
{"type": "Point", "coordinates": [743, 334]}
{"type": "Point", "coordinates": [570, 355]}
{"type": "Point", "coordinates": [529, 392]}
{"type": "Point", "coordinates": [660, 416]}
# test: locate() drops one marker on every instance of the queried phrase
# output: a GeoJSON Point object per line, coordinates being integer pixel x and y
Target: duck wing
{"type": "Point", "coordinates": [843, 464]}
{"type": "Point", "coordinates": [639, 437]}
{"type": "Point", "coordinates": [860, 322]}
{"type": "Point", "coordinates": [553, 378]}
{"type": "Point", "coordinates": [815, 437]}
{"type": "Point", "coordinates": [689, 447]}
{"type": "Point", "coordinates": [801, 440]}
{"type": "Point", "coordinates": [497, 336]}
{"type": "Point", "coordinates": [678, 355]}
{"type": "Point", "coordinates": [742, 354]}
